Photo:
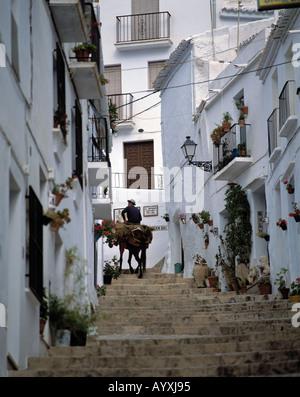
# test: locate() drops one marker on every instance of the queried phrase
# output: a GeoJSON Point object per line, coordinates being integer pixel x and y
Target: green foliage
{"type": "Point", "coordinates": [238, 229]}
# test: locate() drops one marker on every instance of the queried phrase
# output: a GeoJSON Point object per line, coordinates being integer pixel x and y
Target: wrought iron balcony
{"type": "Point", "coordinates": [287, 117]}
{"type": "Point", "coordinates": [273, 130]}
{"type": "Point", "coordinates": [141, 27]}
{"type": "Point", "coordinates": [86, 75]}
{"type": "Point", "coordinates": [232, 154]}
{"type": "Point", "coordinates": [124, 105]}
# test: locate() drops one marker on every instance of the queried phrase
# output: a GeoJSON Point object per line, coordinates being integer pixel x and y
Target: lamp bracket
{"type": "Point", "coordinates": [206, 165]}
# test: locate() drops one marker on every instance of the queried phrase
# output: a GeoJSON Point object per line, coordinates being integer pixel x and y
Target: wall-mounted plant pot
{"type": "Point", "coordinates": [283, 226]}
{"type": "Point", "coordinates": [267, 238]}
{"type": "Point", "coordinates": [107, 279]}
{"type": "Point", "coordinates": [201, 225]}
{"type": "Point", "coordinates": [297, 217]}
{"type": "Point", "coordinates": [291, 190]}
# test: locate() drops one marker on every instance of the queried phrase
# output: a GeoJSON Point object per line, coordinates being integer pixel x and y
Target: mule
{"type": "Point", "coordinates": [134, 251]}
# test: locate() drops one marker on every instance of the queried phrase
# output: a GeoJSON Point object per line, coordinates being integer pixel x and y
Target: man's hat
{"type": "Point", "coordinates": [131, 201]}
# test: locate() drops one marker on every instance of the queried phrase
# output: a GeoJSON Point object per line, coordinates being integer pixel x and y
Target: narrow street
{"type": "Point", "coordinates": [164, 326]}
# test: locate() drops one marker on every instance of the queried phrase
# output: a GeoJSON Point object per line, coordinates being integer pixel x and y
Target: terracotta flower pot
{"type": "Point", "coordinates": [264, 289]}
{"type": "Point", "coordinates": [212, 281]}
{"type": "Point", "coordinates": [201, 225]}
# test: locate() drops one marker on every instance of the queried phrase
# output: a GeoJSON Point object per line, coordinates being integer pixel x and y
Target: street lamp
{"type": "Point", "coordinates": [189, 148]}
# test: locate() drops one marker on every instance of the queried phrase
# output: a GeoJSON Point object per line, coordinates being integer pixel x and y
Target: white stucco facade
{"type": "Point", "coordinates": [134, 56]}
{"type": "Point", "coordinates": [262, 58]}
{"type": "Point", "coordinates": [33, 156]}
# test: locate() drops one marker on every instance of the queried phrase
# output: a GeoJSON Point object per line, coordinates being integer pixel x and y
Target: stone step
{"type": "Point", "coordinates": [280, 368]}
{"type": "Point", "coordinates": [197, 329]}
{"type": "Point", "coordinates": [264, 364]}
{"type": "Point", "coordinates": [181, 318]}
{"type": "Point", "coordinates": [163, 361]}
{"type": "Point", "coordinates": [193, 300]}
{"type": "Point", "coordinates": [180, 345]}
{"type": "Point", "coordinates": [163, 326]}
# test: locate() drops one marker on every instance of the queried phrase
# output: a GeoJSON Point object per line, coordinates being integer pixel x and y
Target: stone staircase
{"type": "Point", "coordinates": [164, 326]}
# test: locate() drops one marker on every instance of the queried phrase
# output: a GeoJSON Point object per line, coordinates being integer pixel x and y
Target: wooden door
{"type": "Point", "coordinates": [139, 157]}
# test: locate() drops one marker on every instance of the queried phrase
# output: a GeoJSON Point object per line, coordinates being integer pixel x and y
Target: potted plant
{"type": "Point", "coordinates": [105, 229]}
{"type": "Point", "coordinates": [289, 186]}
{"type": "Point", "coordinates": [205, 216]}
{"type": "Point", "coordinates": [111, 271]}
{"type": "Point", "coordinates": [103, 80]}
{"type": "Point", "coordinates": [217, 287]}
{"type": "Point", "coordinates": [58, 317]}
{"type": "Point", "coordinates": [264, 285]}
{"type": "Point", "coordinates": [206, 239]}
{"type": "Point", "coordinates": [296, 213]}
{"type": "Point", "coordinates": [44, 311]}
{"type": "Point", "coordinates": [282, 223]}
{"type": "Point", "coordinates": [60, 119]}
{"type": "Point", "coordinates": [226, 122]}
{"type": "Point", "coordinates": [200, 270]}
{"type": "Point", "coordinates": [281, 282]}
{"type": "Point", "coordinates": [83, 51]}
{"type": "Point", "coordinates": [196, 218]}
{"type": "Point", "coordinates": [295, 291]}
{"type": "Point", "coordinates": [212, 279]}
{"type": "Point", "coordinates": [58, 218]}
{"type": "Point", "coordinates": [59, 191]}
{"type": "Point", "coordinates": [263, 235]}
{"type": "Point", "coordinates": [182, 217]}
{"type": "Point", "coordinates": [242, 149]}
{"type": "Point", "coordinates": [79, 321]}
{"type": "Point", "coordinates": [243, 285]}
{"type": "Point", "coordinates": [166, 217]}
{"type": "Point", "coordinates": [101, 290]}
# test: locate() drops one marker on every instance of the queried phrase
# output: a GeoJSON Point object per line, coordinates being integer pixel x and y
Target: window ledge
{"type": "Point", "coordinates": [288, 127]}
{"type": "Point", "coordinates": [275, 155]}
{"type": "Point", "coordinates": [132, 45]}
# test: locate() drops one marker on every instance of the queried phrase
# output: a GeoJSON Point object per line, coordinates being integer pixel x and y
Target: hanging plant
{"type": "Point", "coordinates": [238, 228]}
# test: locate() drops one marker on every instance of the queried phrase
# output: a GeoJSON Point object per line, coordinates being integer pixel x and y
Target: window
{"type": "Point", "coordinates": [78, 143]}
{"type": "Point", "coordinates": [35, 245]}
{"type": "Point", "coordinates": [61, 89]}
{"type": "Point", "coordinates": [154, 69]}
{"type": "Point", "coordinates": [113, 74]}
{"type": "Point", "coordinates": [144, 6]}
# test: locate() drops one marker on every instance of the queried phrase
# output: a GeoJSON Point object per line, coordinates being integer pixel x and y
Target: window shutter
{"type": "Point", "coordinates": [35, 245]}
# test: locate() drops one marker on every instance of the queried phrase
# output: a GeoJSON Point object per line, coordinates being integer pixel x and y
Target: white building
{"type": "Point", "coordinates": [138, 37]}
{"type": "Point", "coordinates": [211, 93]}
{"type": "Point", "coordinates": [264, 76]}
{"type": "Point", "coordinates": [280, 76]}
{"type": "Point", "coordinates": [38, 73]}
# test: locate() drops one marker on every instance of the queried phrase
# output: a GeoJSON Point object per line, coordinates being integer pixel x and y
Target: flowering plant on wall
{"type": "Point", "coordinates": [295, 287]}
{"type": "Point", "coordinates": [289, 186]}
{"type": "Point", "coordinates": [296, 213]}
{"type": "Point", "coordinates": [195, 217]}
{"type": "Point", "coordinates": [182, 217]}
{"type": "Point", "coordinates": [199, 260]}
{"type": "Point", "coordinates": [281, 223]}
{"type": "Point", "coordinates": [105, 229]}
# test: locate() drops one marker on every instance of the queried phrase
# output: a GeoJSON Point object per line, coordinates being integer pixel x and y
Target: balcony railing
{"type": "Point", "coordinates": [286, 102]}
{"type": "Point", "coordinates": [97, 149]}
{"type": "Point", "coordinates": [151, 26]}
{"type": "Point", "coordinates": [233, 144]}
{"type": "Point", "coordinates": [124, 106]}
{"type": "Point", "coordinates": [273, 130]}
{"type": "Point", "coordinates": [122, 180]}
